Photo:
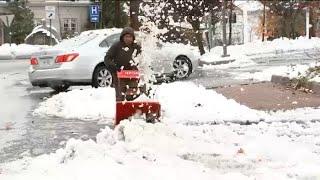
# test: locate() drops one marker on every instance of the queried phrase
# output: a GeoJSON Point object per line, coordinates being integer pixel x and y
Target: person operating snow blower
{"type": "Point", "coordinates": [120, 60]}
{"type": "Point", "coordinates": [120, 57]}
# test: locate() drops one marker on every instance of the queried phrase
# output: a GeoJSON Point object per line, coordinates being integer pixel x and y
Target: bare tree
{"type": "Point", "coordinates": [231, 20]}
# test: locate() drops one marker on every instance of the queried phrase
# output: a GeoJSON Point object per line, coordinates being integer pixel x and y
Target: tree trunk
{"type": "Point", "coordinates": [103, 14]}
{"type": "Point", "coordinates": [117, 17]}
{"type": "Point", "coordinates": [292, 21]}
{"type": "Point", "coordinates": [312, 21]}
{"type": "Point", "coordinates": [196, 29]}
{"type": "Point", "coordinates": [230, 23]}
{"type": "Point", "coordinates": [200, 43]}
{"type": "Point", "coordinates": [264, 21]}
{"type": "Point", "coordinates": [134, 10]}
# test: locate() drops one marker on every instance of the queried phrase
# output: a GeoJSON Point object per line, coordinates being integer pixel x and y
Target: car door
{"type": "Point", "coordinates": [162, 61]}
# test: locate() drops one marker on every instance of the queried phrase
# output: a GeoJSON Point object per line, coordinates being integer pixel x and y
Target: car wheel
{"type": "Point", "coordinates": [182, 68]}
{"type": "Point", "coordinates": [102, 77]}
{"type": "Point", "coordinates": [60, 88]}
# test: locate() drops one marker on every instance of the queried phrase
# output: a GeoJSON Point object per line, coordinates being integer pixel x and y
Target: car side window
{"type": "Point", "coordinates": [107, 42]}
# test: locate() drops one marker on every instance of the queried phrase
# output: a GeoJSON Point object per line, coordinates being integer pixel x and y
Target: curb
{"type": "Point", "coordinates": [201, 63]}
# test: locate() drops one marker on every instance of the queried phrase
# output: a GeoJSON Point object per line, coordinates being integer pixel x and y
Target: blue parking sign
{"type": "Point", "coordinates": [94, 13]}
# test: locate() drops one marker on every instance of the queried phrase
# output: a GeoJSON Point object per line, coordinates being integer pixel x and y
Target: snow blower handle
{"type": "Point", "coordinates": [128, 74]}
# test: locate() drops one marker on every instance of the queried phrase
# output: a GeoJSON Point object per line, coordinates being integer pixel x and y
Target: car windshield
{"type": "Point", "coordinates": [77, 41]}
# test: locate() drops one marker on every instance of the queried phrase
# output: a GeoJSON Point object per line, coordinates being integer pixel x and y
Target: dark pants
{"type": "Point", "coordinates": [123, 86]}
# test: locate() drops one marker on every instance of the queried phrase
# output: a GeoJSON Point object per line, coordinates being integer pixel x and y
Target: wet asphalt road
{"type": "Point", "coordinates": [22, 134]}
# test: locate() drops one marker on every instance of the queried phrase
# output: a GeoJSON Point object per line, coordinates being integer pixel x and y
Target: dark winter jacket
{"type": "Point", "coordinates": [119, 56]}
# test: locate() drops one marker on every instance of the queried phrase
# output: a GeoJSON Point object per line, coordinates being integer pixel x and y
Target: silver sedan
{"type": "Point", "coordinates": [79, 61]}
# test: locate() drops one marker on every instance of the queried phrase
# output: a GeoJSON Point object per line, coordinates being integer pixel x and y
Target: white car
{"type": "Point", "coordinates": [79, 61]}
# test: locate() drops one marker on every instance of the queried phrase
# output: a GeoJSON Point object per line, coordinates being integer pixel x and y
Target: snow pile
{"type": "Point", "coordinates": [136, 150]}
{"type": "Point", "coordinates": [181, 102]}
{"type": "Point", "coordinates": [118, 154]}
{"type": "Point", "coordinates": [186, 102]}
{"type": "Point", "coordinates": [291, 71]}
{"type": "Point", "coordinates": [20, 51]}
{"type": "Point", "coordinates": [267, 48]}
{"type": "Point", "coordinates": [45, 31]}
{"type": "Point", "coordinates": [88, 104]}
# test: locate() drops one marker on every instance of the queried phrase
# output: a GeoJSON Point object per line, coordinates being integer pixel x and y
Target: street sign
{"type": "Point", "coordinates": [94, 13]}
{"type": "Point", "coordinates": [50, 12]}
{"type": "Point", "coordinates": [7, 19]}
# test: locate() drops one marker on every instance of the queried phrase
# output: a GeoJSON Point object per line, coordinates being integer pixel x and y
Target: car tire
{"type": "Point", "coordinates": [182, 68]}
{"type": "Point", "coordinates": [102, 77]}
{"type": "Point", "coordinates": [60, 88]}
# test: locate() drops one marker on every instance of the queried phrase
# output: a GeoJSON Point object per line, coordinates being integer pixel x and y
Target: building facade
{"type": "Point", "coordinates": [71, 17]}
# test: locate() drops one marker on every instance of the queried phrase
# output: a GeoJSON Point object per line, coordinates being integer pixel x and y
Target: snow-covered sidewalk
{"type": "Point", "coordinates": [291, 71]}
{"type": "Point", "coordinates": [245, 53]}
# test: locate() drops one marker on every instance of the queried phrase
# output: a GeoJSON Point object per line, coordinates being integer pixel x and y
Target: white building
{"type": "Point", "coordinates": [252, 13]}
{"type": "Point", "coordinates": [245, 20]}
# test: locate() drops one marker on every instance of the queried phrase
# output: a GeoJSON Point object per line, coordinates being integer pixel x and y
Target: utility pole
{"type": "Point", "coordinates": [50, 20]}
{"type": "Point", "coordinates": [224, 28]}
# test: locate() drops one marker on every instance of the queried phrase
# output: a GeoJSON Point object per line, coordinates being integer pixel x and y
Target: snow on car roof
{"type": "Point", "coordinates": [102, 31]}
{"type": "Point", "coordinates": [87, 36]}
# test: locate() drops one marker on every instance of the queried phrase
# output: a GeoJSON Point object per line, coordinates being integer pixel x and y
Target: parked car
{"type": "Point", "coordinates": [79, 61]}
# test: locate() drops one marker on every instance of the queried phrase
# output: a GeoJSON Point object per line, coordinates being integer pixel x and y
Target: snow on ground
{"type": "Point", "coordinates": [185, 145]}
{"type": "Point", "coordinates": [87, 104]}
{"type": "Point", "coordinates": [18, 51]}
{"type": "Point", "coordinates": [182, 102]}
{"type": "Point", "coordinates": [136, 150]}
{"type": "Point", "coordinates": [243, 53]}
{"type": "Point", "coordinates": [291, 71]}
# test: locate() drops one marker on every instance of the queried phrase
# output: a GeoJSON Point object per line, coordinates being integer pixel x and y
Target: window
{"type": "Point", "coordinates": [70, 25]}
{"type": "Point", "coordinates": [110, 40]}
{"type": "Point", "coordinates": [73, 25]}
{"type": "Point", "coordinates": [65, 25]}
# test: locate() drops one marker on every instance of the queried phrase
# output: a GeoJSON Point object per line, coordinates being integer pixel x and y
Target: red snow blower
{"type": "Point", "coordinates": [126, 105]}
